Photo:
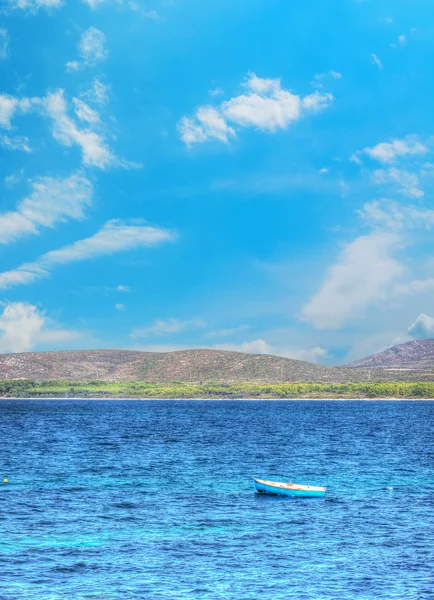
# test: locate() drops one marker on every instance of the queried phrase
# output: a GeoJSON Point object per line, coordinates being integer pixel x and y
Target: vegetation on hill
{"type": "Point", "coordinates": [188, 365]}
{"type": "Point", "coordinates": [179, 389]}
{"type": "Point", "coordinates": [414, 355]}
{"type": "Point", "coordinates": [164, 367]}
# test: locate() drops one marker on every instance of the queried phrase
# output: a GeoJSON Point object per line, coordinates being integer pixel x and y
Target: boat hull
{"type": "Point", "coordinates": [300, 491]}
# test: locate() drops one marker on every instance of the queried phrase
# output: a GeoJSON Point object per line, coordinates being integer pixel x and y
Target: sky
{"type": "Point", "coordinates": [252, 176]}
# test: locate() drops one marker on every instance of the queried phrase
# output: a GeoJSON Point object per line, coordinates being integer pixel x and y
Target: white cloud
{"type": "Point", "coordinates": [319, 78]}
{"type": "Point", "coordinates": [84, 112]}
{"type": "Point", "coordinates": [34, 5]}
{"type": "Point", "coordinates": [11, 180]}
{"type": "Point", "coordinates": [167, 326]}
{"type": "Point", "coordinates": [314, 355]}
{"type": "Point", "coordinates": [72, 65]}
{"type": "Point", "coordinates": [414, 287]}
{"type": "Point", "coordinates": [265, 106]}
{"type": "Point", "coordinates": [375, 343]}
{"type": "Point", "coordinates": [120, 307]}
{"type": "Point", "coordinates": [97, 93]}
{"type": "Point", "coordinates": [268, 107]}
{"type": "Point", "coordinates": [387, 152]}
{"type": "Point", "coordinates": [147, 14]}
{"type": "Point", "coordinates": [114, 237]}
{"type": "Point", "coordinates": [363, 274]}
{"type": "Point", "coordinates": [15, 143]}
{"type": "Point", "coordinates": [399, 219]}
{"type": "Point", "coordinates": [122, 288]}
{"type": "Point", "coordinates": [51, 201]}
{"type": "Point", "coordinates": [393, 216]}
{"type": "Point", "coordinates": [260, 346]}
{"type": "Point", "coordinates": [95, 151]}
{"type": "Point", "coordinates": [408, 183]}
{"type": "Point", "coordinates": [92, 46]}
{"type": "Point", "coordinates": [422, 328]}
{"type": "Point", "coordinates": [376, 61]}
{"type": "Point", "coordinates": [254, 347]}
{"type": "Point", "coordinates": [20, 323]}
{"type": "Point", "coordinates": [344, 188]}
{"type": "Point", "coordinates": [8, 106]}
{"type": "Point", "coordinates": [23, 275]}
{"type": "Point", "coordinates": [215, 92]}
{"type": "Point", "coordinates": [355, 158]}
{"type": "Point", "coordinates": [94, 3]}
{"type": "Point", "coordinates": [4, 43]}
{"type": "Point", "coordinates": [209, 124]}
{"type": "Point", "coordinates": [23, 327]}
{"type": "Point", "coordinates": [133, 5]}
{"type": "Point", "coordinates": [228, 331]}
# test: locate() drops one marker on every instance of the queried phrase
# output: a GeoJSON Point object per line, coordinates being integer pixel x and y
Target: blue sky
{"type": "Point", "coordinates": [250, 176]}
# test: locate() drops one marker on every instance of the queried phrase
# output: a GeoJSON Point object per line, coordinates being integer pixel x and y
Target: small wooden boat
{"type": "Point", "coordinates": [288, 489]}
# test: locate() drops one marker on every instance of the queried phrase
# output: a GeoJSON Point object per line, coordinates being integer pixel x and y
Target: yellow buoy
{"type": "Point", "coordinates": [5, 480]}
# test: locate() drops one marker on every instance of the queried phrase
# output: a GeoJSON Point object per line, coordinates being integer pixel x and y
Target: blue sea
{"type": "Point", "coordinates": [155, 499]}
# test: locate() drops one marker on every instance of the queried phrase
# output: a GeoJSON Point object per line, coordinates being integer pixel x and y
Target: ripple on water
{"type": "Point", "coordinates": [119, 500]}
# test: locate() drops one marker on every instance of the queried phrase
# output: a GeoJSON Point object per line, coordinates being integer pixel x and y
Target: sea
{"type": "Point", "coordinates": [155, 500]}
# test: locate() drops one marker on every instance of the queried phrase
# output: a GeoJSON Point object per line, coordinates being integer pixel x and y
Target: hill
{"type": "Point", "coordinates": [413, 361]}
{"type": "Point", "coordinates": [417, 355]}
{"type": "Point", "coordinates": [164, 367]}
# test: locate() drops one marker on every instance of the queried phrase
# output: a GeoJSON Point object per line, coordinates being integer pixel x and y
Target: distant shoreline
{"type": "Point", "coordinates": [186, 390]}
{"type": "Point", "coordinates": [380, 399]}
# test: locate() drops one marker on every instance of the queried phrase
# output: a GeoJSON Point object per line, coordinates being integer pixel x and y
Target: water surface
{"type": "Point", "coordinates": [154, 499]}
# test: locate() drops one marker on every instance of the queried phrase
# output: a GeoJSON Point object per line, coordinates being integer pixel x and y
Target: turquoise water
{"type": "Point", "coordinates": [130, 499]}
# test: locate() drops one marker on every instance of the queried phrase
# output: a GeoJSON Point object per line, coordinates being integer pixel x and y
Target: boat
{"type": "Point", "coordinates": [288, 489]}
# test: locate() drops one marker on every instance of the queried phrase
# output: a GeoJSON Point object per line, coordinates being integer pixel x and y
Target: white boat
{"type": "Point", "coordinates": [288, 489]}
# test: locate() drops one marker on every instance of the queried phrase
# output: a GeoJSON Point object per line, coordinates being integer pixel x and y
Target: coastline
{"type": "Point", "coordinates": [146, 399]}
{"type": "Point", "coordinates": [182, 390]}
